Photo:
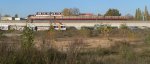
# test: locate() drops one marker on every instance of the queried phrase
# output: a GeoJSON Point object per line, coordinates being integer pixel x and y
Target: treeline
{"type": "Point", "coordinates": [139, 14]}
{"type": "Point", "coordinates": [76, 12]}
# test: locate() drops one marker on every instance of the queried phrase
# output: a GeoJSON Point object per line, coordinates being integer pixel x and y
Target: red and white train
{"type": "Point", "coordinates": [60, 16]}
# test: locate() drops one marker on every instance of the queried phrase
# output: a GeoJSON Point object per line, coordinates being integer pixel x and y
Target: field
{"type": "Point", "coordinates": [104, 45]}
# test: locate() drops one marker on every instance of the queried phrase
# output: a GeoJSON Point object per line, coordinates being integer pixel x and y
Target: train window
{"type": "Point", "coordinates": [59, 13]}
{"type": "Point", "coordinates": [56, 13]}
{"type": "Point", "coordinates": [50, 13]}
{"type": "Point", "coordinates": [40, 13]}
{"type": "Point", "coordinates": [45, 13]}
{"type": "Point", "coordinates": [37, 13]}
{"type": "Point", "coordinates": [63, 27]}
{"type": "Point", "coordinates": [55, 26]}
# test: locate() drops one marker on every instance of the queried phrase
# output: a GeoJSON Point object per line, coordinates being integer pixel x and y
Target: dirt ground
{"type": "Point", "coordinates": [63, 44]}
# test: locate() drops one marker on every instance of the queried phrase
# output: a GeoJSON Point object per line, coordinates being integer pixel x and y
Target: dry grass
{"type": "Point", "coordinates": [79, 48]}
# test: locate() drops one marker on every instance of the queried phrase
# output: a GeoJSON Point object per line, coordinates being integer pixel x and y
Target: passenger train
{"type": "Point", "coordinates": [35, 28]}
{"type": "Point", "coordinates": [60, 16]}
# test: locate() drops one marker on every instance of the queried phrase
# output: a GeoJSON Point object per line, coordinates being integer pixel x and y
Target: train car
{"type": "Point", "coordinates": [4, 27]}
{"type": "Point", "coordinates": [59, 27]}
{"type": "Point", "coordinates": [59, 16]}
{"type": "Point", "coordinates": [79, 18]}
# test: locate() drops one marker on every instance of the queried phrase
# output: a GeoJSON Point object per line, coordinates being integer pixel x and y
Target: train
{"type": "Point", "coordinates": [60, 16]}
{"type": "Point", "coordinates": [33, 27]}
{"type": "Point", "coordinates": [80, 18]}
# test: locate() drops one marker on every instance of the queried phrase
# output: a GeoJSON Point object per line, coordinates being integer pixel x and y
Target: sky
{"type": "Point", "coordinates": [26, 7]}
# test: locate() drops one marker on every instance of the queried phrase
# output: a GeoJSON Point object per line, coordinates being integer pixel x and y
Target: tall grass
{"type": "Point", "coordinates": [122, 52]}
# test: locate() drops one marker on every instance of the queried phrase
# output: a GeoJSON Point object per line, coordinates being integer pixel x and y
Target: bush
{"type": "Point", "coordinates": [147, 39]}
{"type": "Point", "coordinates": [27, 38]}
{"type": "Point", "coordinates": [1, 33]}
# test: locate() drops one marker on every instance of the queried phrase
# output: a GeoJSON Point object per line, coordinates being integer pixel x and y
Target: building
{"type": "Point", "coordinates": [16, 18]}
{"type": "Point", "coordinates": [6, 18]}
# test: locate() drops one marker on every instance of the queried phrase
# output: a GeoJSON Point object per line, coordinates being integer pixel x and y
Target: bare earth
{"type": "Point", "coordinates": [63, 44]}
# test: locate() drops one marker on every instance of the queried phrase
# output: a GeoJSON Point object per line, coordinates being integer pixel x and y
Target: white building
{"type": "Point", "coordinates": [17, 19]}
{"type": "Point", "coordinates": [6, 18]}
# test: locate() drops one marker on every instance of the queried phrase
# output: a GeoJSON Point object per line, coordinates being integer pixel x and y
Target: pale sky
{"type": "Point", "coordinates": [26, 7]}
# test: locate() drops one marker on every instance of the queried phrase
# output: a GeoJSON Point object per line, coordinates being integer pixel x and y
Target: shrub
{"type": "Point", "coordinates": [147, 39]}
{"type": "Point", "coordinates": [27, 38]}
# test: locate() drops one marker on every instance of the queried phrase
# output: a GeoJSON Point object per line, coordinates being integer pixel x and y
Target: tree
{"type": "Point", "coordinates": [138, 14]}
{"type": "Point", "coordinates": [66, 12]}
{"type": "Point", "coordinates": [27, 38]}
{"type": "Point", "coordinates": [71, 12]}
{"type": "Point", "coordinates": [99, 14]}
{"type": "Point", "coordinates": [6, 15]}
{"type": "Point", "coordinates": [146, 14]}
{"type": "Point", "coordinates": [113, 12]}
{"type": "Point", "coordinates": [75, 11]}
{"type": "Point", "coordinates": [16, 15]}
{"type": "Point", "coordinates": [129, 16]}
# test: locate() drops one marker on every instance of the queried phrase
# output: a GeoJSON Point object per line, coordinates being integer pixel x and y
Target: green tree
{"type": "Point", "coordinates": [27, 38]}
{"type": "Point", "coordinates": [146, 14]}
{"type": "Point", "coordinates": [113, 12]}
{"type": "Point", "coordinates": [16, 15]}
{"type": "Point", "coordinates": [138, 14]}
{"type": "Point", "coordinates": [6, 15]}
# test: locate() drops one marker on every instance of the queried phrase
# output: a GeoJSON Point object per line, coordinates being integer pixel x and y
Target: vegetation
{"type": "Point", "coordinates": [27, 38]}
{"type": "Point", "coordinates": [6, 15]}
{"type": "Point", "coordinates": [112, 12]}
{"type": "Point", "coordinates": [71, 12]}
{"type": "Point", "coordinates": [146, 14]}
{"type": "Point", "coordinates": [1, 33]}
{"type": "Point", "coordinates": [16, 16]}
{"type": "Point", "coordinates": [139, 15]}
{"type": "Point", "coordinates": [39, 47]}
{"type": "Point", "coordinates": [147, 39]}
